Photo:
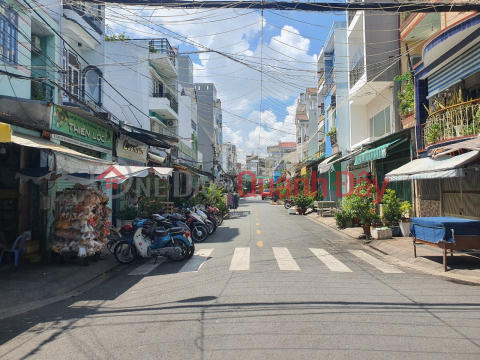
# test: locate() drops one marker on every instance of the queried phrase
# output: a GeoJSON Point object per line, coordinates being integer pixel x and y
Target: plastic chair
{"type": "Point", "coordinates": [21, 241]}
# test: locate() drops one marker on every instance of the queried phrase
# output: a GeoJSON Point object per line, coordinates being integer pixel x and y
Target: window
{"type": "Point", "coordinates": [380, 123]}
{"type": "Point", "coordinates": [8, 34]}
{"type": "Point", "coordinates": [73, 84]}
{"type": "Point", "coordinates": [157, 88]}
{"type": "Point", "coordinates": [92, 85]}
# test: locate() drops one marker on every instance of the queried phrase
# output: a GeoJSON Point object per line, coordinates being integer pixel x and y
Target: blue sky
{"type": "Point", "coordinates": [291, 41]}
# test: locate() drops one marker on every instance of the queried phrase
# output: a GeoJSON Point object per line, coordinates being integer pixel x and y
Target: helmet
{"type": "Point", "coordinates": [126, 229]}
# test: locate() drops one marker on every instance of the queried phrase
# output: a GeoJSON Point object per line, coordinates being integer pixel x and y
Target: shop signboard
{"type": "Point", "coordinates": [81, 132]}
{"type": "Point", "coordinates": [132, 150]}
{"type": "Point", "coordinates": [128, 162]}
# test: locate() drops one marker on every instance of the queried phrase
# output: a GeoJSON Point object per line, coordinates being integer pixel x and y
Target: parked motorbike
{"type": "Point", "coordinates": [197, 227]}
{"type": "Point", "coordinates": [208, 220]}
{"type": "Point", "coordinates": [174, 220]}
{"type": "Point", "coordinates": [152, 241]}
{"type": "Point", "coordinates": [288, 203]}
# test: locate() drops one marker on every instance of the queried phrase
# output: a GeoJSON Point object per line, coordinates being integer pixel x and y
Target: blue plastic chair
{"type": "Point", "coordinates": [21, 242]}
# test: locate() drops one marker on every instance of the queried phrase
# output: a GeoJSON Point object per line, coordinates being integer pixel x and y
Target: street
{"type": "Point", "coordinates": [266, 285]}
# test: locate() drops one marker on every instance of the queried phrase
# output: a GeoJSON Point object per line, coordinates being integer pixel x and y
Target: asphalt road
{"type": "Point", "coordinates": [266, 285]}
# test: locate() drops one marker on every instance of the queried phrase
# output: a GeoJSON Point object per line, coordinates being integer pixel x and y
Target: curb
{"type": "Point", "coordinates": [461, 279]}
{"type": "Point", "coordinates": [79, 290]}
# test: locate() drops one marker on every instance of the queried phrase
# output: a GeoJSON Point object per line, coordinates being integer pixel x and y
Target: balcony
{"type": "Point", "coordinates": [333, 139]}
{"type": "Point", "coordinates": [357, 71]}
{"type": "Point", "coordinates": [351, 16]}
{"type": "Point", "coordinates": [41, 91]}
{"type": "Point", "coordinates": [329, 83]}
{"type": "Point", "coordinates": [165, 105]}
{"type": "Point", "coordinates": [453, 122]}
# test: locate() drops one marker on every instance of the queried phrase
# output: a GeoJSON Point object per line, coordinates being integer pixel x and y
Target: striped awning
{"type": "Point", "coordinates": [428, 168]}
{"type": "Point", "coordinates": [379, 152]}
{"type": "Point", "coordinates": [327, 164]}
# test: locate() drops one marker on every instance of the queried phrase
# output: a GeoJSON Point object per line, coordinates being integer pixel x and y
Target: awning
{"type": "Point", "coordinates": [327, 164]}
{"type": "Point", "coordinates": [348, 156]}
{"type": "Point", "coordinates": [467, 145]}
{"type": "Point", "coordinates": [66, 160]}
{"type": "Point", "coordinates": [428, 168]}
{"type": "Point", "coordinates": [198, 171]}
{"type": "Point", "coordinates": [379, 152]}
{"type": "Point", "coordinates": [155, 158]}
{"type": "Point", "coordinates": [37, 175]}
{"type": "Point", "coordinates": [149, 137]}
{"type": "Point", "coordinates": [118, 174]}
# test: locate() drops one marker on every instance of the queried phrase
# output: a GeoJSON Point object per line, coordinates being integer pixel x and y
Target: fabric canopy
{"type": "Point", "coordinates": [66, 160]}
{"type": "Point", "coordinates": [37, 175]}
{"type": "Point", "coordinates": [427, 168]}
{"type": "Point", "coordinates": [379, 152]}
{"type": "Point", "coordinates": [472, 144]}
{"type": "Point", "coordinates": [327, 164]}
{"type": "Point", "coordinates": [155, 158]}
{"type": "Point", "coordinates": [118, 174]}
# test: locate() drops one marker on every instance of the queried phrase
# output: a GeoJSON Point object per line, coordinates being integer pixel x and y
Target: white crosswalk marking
{"type": "Point", "coordinates": [195, 263]}
{"type": "Point", "coordinates": [330, 261]}
{"type": "Point", "coordinates": [380, 265]}
{"type": "Point", "coordinates": [148, 267]}
{"type": "Point", "coordinates": [285, 260]}
{"type": "Point", "coordinates": [240, 260]}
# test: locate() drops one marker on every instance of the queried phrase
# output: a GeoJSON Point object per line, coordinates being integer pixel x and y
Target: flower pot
{"type": "Point", "coordinates": [356, 221]}
{"type": "Point", "coordinates": [395, 230]}
{"type": "Point", "coordinates": [366, 229]}
{"type": "Point", "coordinates": [405, 228]}
{"type": "Point", "coordinates": [301, 211]}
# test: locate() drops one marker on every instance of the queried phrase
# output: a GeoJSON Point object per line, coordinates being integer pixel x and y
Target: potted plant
{"type": "Point", "coordinates": [302, 203]}
{"type": "Point", "coordinates": [343, 218]}
{"type": "Point", "coordinates": [352, 204]}
{"type": "Point", "coordinates": [126, 216]}
{"type": "Point", "coordinates": [433, 133]}
{"type": "Point", "coordinates": [391, 211]}
{"type": "Point", "coordinates": [406, 210]}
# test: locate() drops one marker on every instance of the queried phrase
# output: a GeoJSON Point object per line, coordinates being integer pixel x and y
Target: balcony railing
{"type": "Point", "coordinates": [41, 91]}
{"type": "Point", "coordinates": [92, 14]}
{"type": "Point", "coordinates": [357, 72]}
{"type": "Point", "coordinates": [455, 121]}
{"type": "Point", "coordinates": [162, 46]}
{"type": "Point", "coordinates": [333, 139]}
{"type": "Point", "coordinates": [329, 82]}
{"type": "Point", "coordinates": [170, 97]}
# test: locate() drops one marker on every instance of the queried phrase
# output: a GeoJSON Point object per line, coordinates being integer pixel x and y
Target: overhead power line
{"type": "Point", "coordinates": [422, 7]}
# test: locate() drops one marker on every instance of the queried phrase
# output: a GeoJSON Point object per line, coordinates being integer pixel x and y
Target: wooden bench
{"type": "Point", "coordinates": [325, 206]}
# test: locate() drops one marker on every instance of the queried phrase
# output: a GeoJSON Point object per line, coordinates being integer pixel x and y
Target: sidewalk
{"type": "Point", "coordinates": [399, 251]}
{"type": "Point", "coordinates": [30, 286]}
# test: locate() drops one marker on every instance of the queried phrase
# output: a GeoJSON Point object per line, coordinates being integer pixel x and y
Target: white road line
{"type": "Point", "coordinates": [148, 267]}
{"type": "Point", "coordinates": [380, 265]}
{"type": "Point", "coordinates": [285, 260]}
{"type": "Point", "coordinates": [330, 261]}
{"type": "Point", "coordinates": [240, 260]}
{"type": "Point", "coordinates": [196, 261]}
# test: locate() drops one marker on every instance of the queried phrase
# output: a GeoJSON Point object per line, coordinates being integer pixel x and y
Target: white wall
{"type": "Point", "coordinates": [133, 81]}
{"type": "Point", "coordinates": [359, 124]}
{"type": "Point", "coordinates": [384, 99]}
{"type": "Point", "coordinates": [186, 113]}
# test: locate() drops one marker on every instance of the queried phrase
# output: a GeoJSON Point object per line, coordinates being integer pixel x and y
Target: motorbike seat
{"type": "Point", "coordinates": [161, 232]}
{"type": "Point", "coordinates": [177, 230]}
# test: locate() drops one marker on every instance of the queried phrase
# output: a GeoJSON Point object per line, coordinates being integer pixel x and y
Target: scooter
{"type": "Point", "coordinates": [171, 221]}
{"type": "Point", "coordinates": [151, 241]}
{"type": "Point", "coordinates": [209, 221]}
{"type": "Point", "coordinates": [288, 203]}
{"type": "Point", "coordinates": [197, 227]}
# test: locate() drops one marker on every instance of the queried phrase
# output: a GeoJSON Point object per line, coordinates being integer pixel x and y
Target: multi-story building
{"type": "Point", "coordinates": [447, 105]}
{"type": "Point", "coordinates": [209, 126]}
{"type": "Point", "coordinates": [229, 158]}
{"type": "Point", "coordinates": [301, 124]}
{"type": "Point", "coordinates": [276, 159]}
{"type": "Point", "coordinates": [255, 164]}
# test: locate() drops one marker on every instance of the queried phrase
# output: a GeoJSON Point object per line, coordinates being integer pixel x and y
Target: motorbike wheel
{"type": "Point", "coordinates": [113, 239]}
{"type": "Point", "coordinates": [125, 253]}
{"type": "Point", "coordinates": [219, 219]}
{"type": "Point", "coordinates": [199, 233]}
{"type": "Point", "coordinates": [191, 251]}
{"type": "Point", "coordinates": [287, 205]}
{"type": "Point", "coordinates": [210, 227]}
{"type": "Point", "coordinates": [183, 253]}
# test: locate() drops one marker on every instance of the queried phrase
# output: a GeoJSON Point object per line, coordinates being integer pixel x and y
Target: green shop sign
{"type": "Point", "coordinates": [81, 132]}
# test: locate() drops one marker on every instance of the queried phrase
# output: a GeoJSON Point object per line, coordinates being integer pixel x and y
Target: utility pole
{"type": "Point", "coordinates": [214, 160]}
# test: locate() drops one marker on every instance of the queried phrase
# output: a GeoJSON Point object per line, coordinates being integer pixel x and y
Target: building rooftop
{"type": "Point", "coordinates": [311, 90]}
{"type": "Point", "coordinates": [287, 144]}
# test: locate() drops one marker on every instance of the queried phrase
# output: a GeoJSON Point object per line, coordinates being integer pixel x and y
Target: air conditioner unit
{"type": "Point", "coordinates": [171, 123]}
{"type": "Point", "coordinates": [36, 47]}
